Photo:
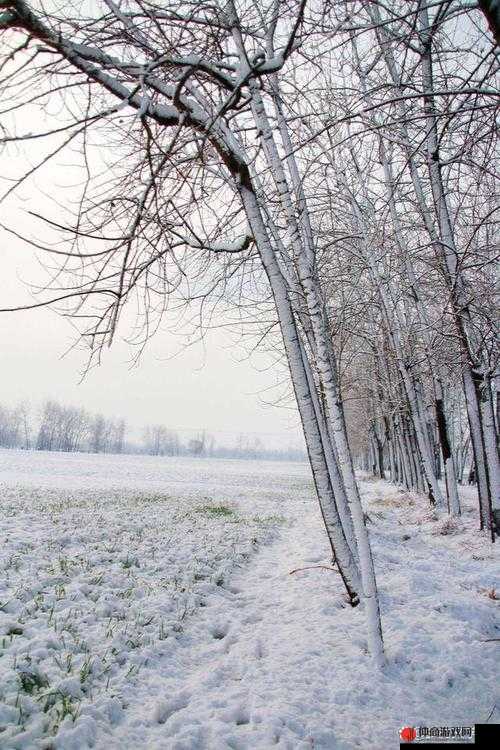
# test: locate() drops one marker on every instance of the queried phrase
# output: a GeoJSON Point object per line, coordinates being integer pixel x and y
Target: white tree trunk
{"type": "Point", "coordinates": [294, 352]}
{"type": "Point", "coordinates": [326, 368]}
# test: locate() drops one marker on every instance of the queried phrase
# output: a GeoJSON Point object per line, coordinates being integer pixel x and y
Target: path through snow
{"type": "Point", "coordinates": [264, 658]}
{"type": "Point", "coordinates": [279, 660]}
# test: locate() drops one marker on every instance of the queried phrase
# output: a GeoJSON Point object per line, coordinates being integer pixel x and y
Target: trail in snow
{"type": "Point", "coordinates": [263, 658]}
{"type": "Point", "coordinates": [245, 683]}
{"type": "Point", "coordinates": [279, 660]}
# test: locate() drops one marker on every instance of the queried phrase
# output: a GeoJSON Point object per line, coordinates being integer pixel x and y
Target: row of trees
{"type": "Point", "coordinates": [413, 196]}
{"type": "Point", "coordinates": [324, 169]}
{"type": "Point", "coordinates": [375, 449]}
{"type": "Point", "coordinates": [410, 209]}
{"type": "Point", "coordinates": [160, 441]}
{"type": "Point", "coordinates": [56, 427]}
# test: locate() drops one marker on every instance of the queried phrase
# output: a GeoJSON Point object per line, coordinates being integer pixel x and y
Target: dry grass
{"type": "Point", "coordinates": [401, 500]}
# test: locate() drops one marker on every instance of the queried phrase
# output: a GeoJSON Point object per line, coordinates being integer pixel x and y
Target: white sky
{"type": "Point", "coordinates": [211, 387]}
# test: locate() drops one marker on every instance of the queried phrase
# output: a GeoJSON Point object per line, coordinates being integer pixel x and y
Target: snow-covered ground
{"type": "Point", "coordinates": [149, 603]}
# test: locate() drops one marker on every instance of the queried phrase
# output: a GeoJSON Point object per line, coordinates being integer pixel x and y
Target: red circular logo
{"type": "Point", "coordinates": [408, 734]}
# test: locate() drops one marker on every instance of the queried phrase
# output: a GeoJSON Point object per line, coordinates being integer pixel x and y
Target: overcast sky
{"type": "Point", "coordinates": [212, 387]}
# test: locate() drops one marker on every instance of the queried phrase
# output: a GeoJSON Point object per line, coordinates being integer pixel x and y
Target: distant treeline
{"type": "Point", "coordinates": [56, 427]}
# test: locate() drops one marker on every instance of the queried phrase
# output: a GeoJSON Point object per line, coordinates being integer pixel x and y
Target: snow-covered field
{"type": "Point", "coordinates": [149, 603]}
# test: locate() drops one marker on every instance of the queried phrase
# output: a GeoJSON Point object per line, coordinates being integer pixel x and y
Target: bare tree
{"type": "Point", "coordinates": [193, 100]}
{"type": "Point", "coordinates": [98, 429]}
{"type": "Point", "coordinates": [160, 441]}
{"type": "Point", "coordinates": [119, 432]}
{"type": "Point", "coordinates": [196, 445]}
{"type": "Point", "coordinates": [10, 428]}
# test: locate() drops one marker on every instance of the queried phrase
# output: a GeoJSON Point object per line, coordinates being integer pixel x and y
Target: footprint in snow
{"type": "Point", "coordinates": [229, 641]}
{"type": "Point", "coordinates": [252, 619]}
{"type": "Point", "coordinates": [236, 715]}
{"type": "Point", "coordinates": [164, 711]}
{"type": "Point", "coordinates": [315, 559]}
{"type": "Point", "coordinates": [219, 630]}
{"type": "Point", "coordinates": [259, 650]}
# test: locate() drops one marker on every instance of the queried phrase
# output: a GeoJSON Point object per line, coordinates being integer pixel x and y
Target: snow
{"type": "Point", "coordinates": [149, 602]}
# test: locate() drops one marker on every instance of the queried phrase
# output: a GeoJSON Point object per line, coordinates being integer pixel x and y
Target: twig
{"type": "Point", "coordinates": [493, 709]}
